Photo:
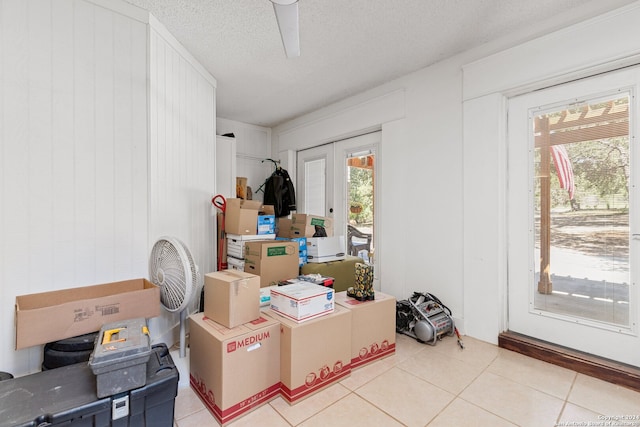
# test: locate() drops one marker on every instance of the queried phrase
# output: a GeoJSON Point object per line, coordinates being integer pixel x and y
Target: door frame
{"type": "Point", "coordinates": [370, 141]}
{"type": "Point", "coordinates": [584, 336]}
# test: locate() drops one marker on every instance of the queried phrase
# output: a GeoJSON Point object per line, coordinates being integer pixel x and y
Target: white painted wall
{"type": "Point", "coordinates": [73, 143]}
{"type": "Point", "coordinates": [85, 187]}
{"type": "Point", "coordinates": [253, 146]}
{"type": "Point", "coordinates": [421, 206]}
{"type": "Point", "coordinates": [182, 156]}
{"type": "Point", "coordinates": [443, 161]}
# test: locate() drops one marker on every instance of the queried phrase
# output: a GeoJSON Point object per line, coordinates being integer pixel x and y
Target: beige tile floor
{"type": "Point", "coordinates": [442, 385]}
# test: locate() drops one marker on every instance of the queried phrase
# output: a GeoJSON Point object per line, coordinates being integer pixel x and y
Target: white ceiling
{"type": "Point", "coordinates": [347, 46]}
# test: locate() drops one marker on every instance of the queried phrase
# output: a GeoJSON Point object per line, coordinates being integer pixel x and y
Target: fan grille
{"type": "Point", "coordinates": [171, 267]}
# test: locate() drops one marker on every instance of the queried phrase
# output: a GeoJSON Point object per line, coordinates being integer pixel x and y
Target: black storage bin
{"type": "Point", "coordinates": [67, 397]}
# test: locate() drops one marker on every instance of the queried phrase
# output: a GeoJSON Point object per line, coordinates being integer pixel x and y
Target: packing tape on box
{"type": "Point", "coordinates": [240, 283]}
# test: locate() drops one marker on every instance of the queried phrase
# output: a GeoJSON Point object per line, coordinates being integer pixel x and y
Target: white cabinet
{"type": "Point", "coordinates": [226, 166]}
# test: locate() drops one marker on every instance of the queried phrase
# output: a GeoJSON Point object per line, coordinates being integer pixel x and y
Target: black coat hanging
{"type": "Point", "coordinates": [279, 192]}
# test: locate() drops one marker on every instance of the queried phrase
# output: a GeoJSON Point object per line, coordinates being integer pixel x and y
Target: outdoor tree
{"type": "Point", "coordinates": [602, 166]}
{"type": "Point", "coordinates": [361, 191]}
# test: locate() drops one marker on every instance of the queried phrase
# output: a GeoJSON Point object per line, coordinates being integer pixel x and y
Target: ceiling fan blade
{"type": "Point", "coordinates": [287, 17]}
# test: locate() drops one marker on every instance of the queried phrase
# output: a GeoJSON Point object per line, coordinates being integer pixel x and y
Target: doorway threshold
{"type": "Point", "coordinates": [584, 363]}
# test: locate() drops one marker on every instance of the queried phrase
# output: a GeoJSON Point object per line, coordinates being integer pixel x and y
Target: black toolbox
{"type": "Point", "coordinates": [67, 396]}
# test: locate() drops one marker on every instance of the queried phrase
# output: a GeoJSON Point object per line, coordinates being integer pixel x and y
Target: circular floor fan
{"type": "Point", "coordinates": [172, 268]}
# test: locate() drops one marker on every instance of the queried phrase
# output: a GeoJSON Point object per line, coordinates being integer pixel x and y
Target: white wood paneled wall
{"type": "Point", "coordinates": [107, 142]}
{"type": "Point", "coordinates": [73, 153]}
{"type": "Point", "coordinates": [181, 152]}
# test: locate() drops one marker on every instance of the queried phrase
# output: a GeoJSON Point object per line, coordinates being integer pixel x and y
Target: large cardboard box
{"type": "Point", "coordinates": [231, 297]}
{"type": "Point", "coordinates": [234, 371]}
{"type": "Point", "coordinates": [302, 301]}
{"type": "Point", "coordinates": [241, 216]}
{"type": "Point", "coordinates": [56, 315]}
{"type": "Point", "coordinates": [313, 354]}
{"type": "Point", "coordinates": [273, 261]}
{"type": "Point", "coordinates": [325, 249]}
{"type": "Point", "coordinates": [373, 327]}
{"type": "Point", "coordinates": [302, 248]}
{"type": "Point", "coordinates": [304, 225]}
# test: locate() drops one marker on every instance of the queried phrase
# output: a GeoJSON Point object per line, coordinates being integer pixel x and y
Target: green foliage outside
{"type": "Point", "coordinates": [361, 194]}
{"type": "Point", "coordinates": [601, 176]}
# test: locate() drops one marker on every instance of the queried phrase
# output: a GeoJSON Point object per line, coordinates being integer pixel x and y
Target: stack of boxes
{"type": "Point", "coordinates": [316, 249]}
{"type": "Point", "coordinates": [251, 245]}
{"type": "Point", "coordinates": [264, 332]}
{"type": "Point", "coordinates": [234, 357]}
{"type": "Point", "coordinates": [241, 357]}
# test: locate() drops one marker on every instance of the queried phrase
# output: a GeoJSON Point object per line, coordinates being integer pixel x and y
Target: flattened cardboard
{"type": "Point", "coordinates": [373, 327]}
{"type": "Point", "coordinates": [231, 297]}
{"type": "Point", "coordinates": [234, 371]}
{"type": "Point", "coordinates": [313, 354]}
{"type": "Point", "coordinates": [56, 315]}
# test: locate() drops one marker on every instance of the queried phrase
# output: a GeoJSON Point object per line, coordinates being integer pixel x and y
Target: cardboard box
{"type": "Point", "coordinates": [302, 248]}
{"type": "Point", "coordinates": [231, 297]}
{"type": "Point", "coordinates": [304, 225]}
{"type": "Point", "coordinates": [325, 249]}
{"type": "Point", "coordinates": [313, 354]}
{"type": "Point", "coordinates": [241, 216]}
{"type": "Point", "coordinates": [56, 315]}
{"type": "Point", "coordinates": [273, 260]}
{"type": "Point", "coordinates": [302, 301]}
{"type": "Point", "coordinates": [266, 224]}
{"type": "Point", "coordinates": [234, 371]}
{"type": "Point", "coordinates": [373, 327]}
{"type": "Point", "coordinates": [283, 227]}
{"type": "Point", "coordinates": [235, 242]}
{"type": "Point", "coordinates": [235, 263]}
{"type": "Point", "coordinates": [266, 220]}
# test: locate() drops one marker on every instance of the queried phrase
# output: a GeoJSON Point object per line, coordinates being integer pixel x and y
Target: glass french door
{"type": "Point", "coordinates": [572, 203]}
{"type": "Point", "coordinates": [338, 180]}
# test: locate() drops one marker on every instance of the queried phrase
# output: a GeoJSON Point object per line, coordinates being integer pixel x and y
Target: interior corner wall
{"type": "Point", "coordinates": [182, 156]}
{"type": "Point", "coordinates": [253, 146]}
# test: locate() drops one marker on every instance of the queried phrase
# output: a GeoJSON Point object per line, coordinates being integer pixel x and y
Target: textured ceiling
{"type": "Point", "coordinates": [347, 46]}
